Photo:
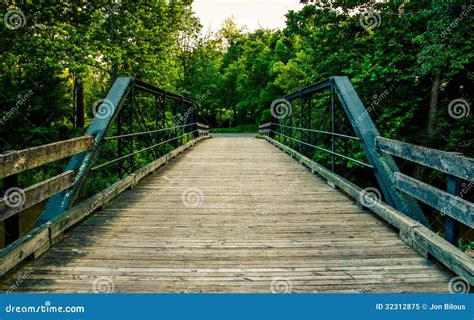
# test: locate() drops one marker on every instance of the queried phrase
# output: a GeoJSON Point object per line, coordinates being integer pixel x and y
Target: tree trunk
{"type": "Point", "coordinates": [433, 110]}
{"type": "Point", "coordinates": [79, 104]}
{"type": "Point", "coordinates": [434, 101]}
{"type": "Point", "coordinates": [74, 94]}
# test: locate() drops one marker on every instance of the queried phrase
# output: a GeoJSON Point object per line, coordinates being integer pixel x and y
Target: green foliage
{"type": "Point", "coordinates": [400, 55]}
{"type": "Point", "coordinates": [243, 128]}
{"type": "Point", "coordinates": [234, 75]}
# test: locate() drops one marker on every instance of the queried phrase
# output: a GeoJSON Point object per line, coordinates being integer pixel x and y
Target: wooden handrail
{"type": "Point", "coordinates": [448, 204]}
{"type": "Point", "coordinates": [41, 238]}
{"type": "Point", "coordinates": [22, 199]}
{"type": "Point", "coordinates": [451, 163]}
{"type": "Point", "coordinates": [414, 233]}
{"type": "Point", "coordinates": [17, 161]}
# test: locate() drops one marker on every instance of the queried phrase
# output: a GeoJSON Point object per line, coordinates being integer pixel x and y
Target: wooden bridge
{"type": "Point", "coordinates": [234, 213]}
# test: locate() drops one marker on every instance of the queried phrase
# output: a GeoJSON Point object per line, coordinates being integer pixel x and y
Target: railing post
{"type": "Point", "coordinates": [132, 158]}
{"type": "Point", "coordinates": [165, 147]}
{"type": "Point", "coordinates": [333, 141]}
{"type": "Point", "coordinates": [271, 133]}
{"type": "Point", "coordinates": [155, 140]}
{"type": "Point", "coordinates": [11, 225]}
{"type": "Point", "coordinates": [182, 113]}
{"type": "Point", "coordinates": [451, 226]}
{"type": "Point", "coordinates": [195, 124]}
{"type": "Point", "coordinates": [176, 130]}
{"type": "Point", "coordinates": [301, 124]}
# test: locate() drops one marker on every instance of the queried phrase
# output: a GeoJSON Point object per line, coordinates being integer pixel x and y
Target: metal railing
{"type": "Point", "coordinates": [401, 191]}
{"type": "Point", "coordinates": [344, 125]}
{"type": "Point", "coordinates": [135, 119]}
{"type": "Point", "coordinates": [139, 123]}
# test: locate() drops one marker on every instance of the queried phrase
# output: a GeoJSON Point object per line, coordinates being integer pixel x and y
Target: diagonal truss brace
{"type": "Point", "coordinates": [81, 163]}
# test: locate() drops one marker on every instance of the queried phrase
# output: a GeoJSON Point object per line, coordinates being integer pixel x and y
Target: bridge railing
{"type": "Point", "coordinates": [142, 125]}
{"type": "Point", "coordinates": [16, 199]}
{"type": "Point", "coordinates": [203, 129]}
{"type": "Point", "coordinates": [297, 132]}
{"type": "Point", "coordinates": [457, 167]}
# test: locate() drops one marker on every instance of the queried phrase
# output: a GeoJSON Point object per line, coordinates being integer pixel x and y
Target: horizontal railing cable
{"type": "Point", "coordinates": [146, 132]}
{"type": "Point", "coordinates": [319, 131]}
{"type": "Point", "coordinates": [326, 150]}
{"type": "Point", "coordinates": [139, 151]}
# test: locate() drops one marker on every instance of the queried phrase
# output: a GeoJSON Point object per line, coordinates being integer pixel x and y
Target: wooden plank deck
{"type": "Point", "coordinates": [234, 214]}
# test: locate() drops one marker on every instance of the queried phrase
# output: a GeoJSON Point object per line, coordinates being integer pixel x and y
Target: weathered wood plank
{"type": "Point", "coordinates": [447, 162]}
{"type": "Point", "coordinates": [254, 215]}
{"type": "Point", "coordinates": [18, 161]}
{"type": "Point", "coordinates": [20, 200]}
{"type": "Point", "coordinates": [451, 205]}
{"type": "Point", "coordinates": [423, 241]}
{"type": "Point", "coordinates": [85, 208]}
{"type": "Point", "coordinates": [23, 248]}
{"type": "Point", "coordinates": [37, 245]}
{"type": "Point", "coordinates": [443, 251]}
